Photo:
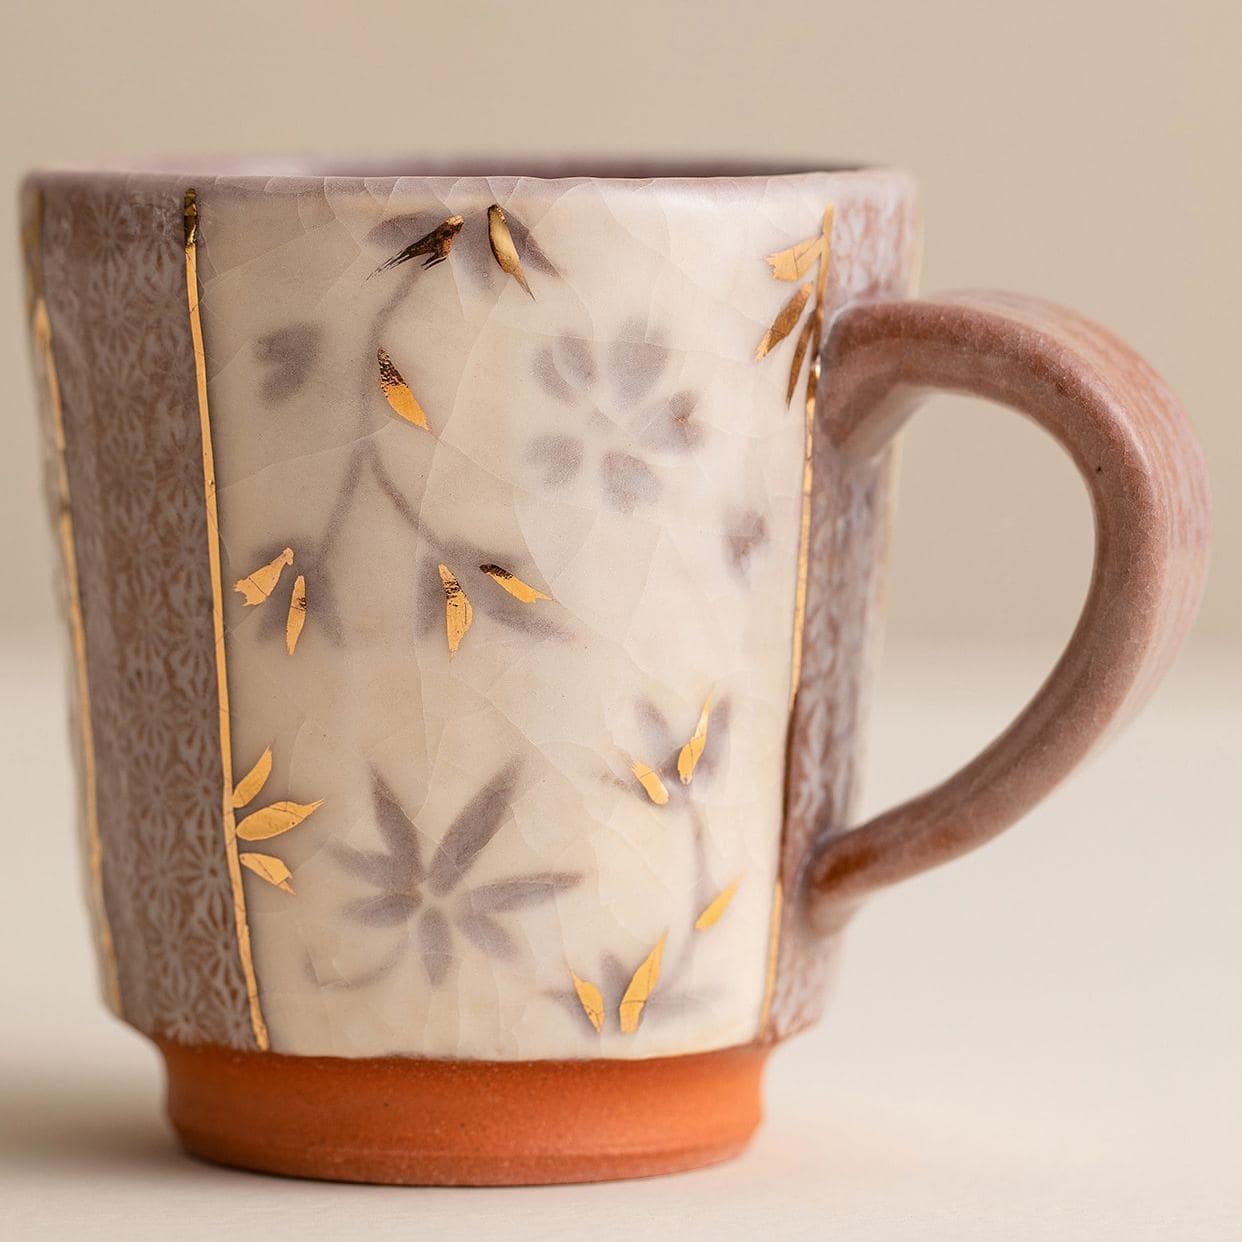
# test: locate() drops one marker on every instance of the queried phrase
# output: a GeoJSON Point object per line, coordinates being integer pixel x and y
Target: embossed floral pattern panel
{"type": "Point", "coordinates": [113, 265]}
{"type": "Point", "coordinates": [514, 517]}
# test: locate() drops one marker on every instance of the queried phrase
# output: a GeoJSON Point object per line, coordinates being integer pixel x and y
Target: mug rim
{"type": "Point", "coordinates": [278, 171]}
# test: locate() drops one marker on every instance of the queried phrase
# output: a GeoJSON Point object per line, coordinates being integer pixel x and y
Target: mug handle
{"type": "Point", "coordinates": [1134, 448]}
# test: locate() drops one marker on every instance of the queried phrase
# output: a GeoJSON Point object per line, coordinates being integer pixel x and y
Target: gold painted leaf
{"type": "Point", "coordinates": [643, 983]}
{"type": "Point", "coordinates": [433, 247]}
{"type": "Point", "coordinates": [397, 392]}
{"type": "Point", "coordinates": [268, 867]}
{"type": "Point", "coordinates": [716, 907]}
{"type": "Point", "coordinates": [591, 999]}
{"type": "Point", "coordinates": [795, 367]}
{"type": "Point", "coordinates": [458, 613]}
{"type": "Point", "coordinates": [297, 614]}
{"type": "Point", "coordinates": [501, 241]}
{"type": "Point", "coordinates": [257, 586]}
{"type": "Point", "coordinates": [650, 780]}
{"type": "Point", "coordinates": [272, 820]}
{"type": "Point", "coordinates": [251, 785]}
{"type": "Point", "coordinates": [692, 751]}
{"type": "Point", "coordinates": [794, 263]}
{"type": "Point", "coordinates": [515, 586]}
{"type": "Point", "coordinates": [784, 322]}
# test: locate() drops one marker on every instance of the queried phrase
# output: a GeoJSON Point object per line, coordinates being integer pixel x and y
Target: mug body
{"type": "Point", "coordinates": [443, 555]}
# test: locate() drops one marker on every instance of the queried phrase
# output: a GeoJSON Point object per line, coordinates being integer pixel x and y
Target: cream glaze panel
{"type": "Point", "coordinates": [612, 443]}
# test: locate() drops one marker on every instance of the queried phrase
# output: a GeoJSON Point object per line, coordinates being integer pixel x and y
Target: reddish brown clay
{"type": "Point", "coordinates": [462, 1123]}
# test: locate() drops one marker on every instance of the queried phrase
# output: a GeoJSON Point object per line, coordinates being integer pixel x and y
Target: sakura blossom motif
{"type": "Point", "coordinates": [624, 412]}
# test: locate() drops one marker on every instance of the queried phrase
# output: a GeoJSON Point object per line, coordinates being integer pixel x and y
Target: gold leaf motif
{"type": "Point", "coordinates": [650, 780]}
{"type": "Point", "coordinates": [794, 263]}
{"type": "Point", "coordinates": [501, 242]}
{"type": "Point", "coordinates": [297, 614]}
{"type": "Point", "coordinates": [256, 587]}
{"type": "Point", "coordinates": [591, 999]}
{"type": "Point", "coordinates": [515, 586]}
{"type": "Point", "coordinates": [784, 322]}
{"type": "Point", "coordinates": [397, 392]}
{"type": "Point", "coordinates": [716, 907]}
{"type": "Point", "coordinates": [692, 751]}
{"type": "Point", "coordinates": [642, 984]}
{"type": "Point", "coordinates": [795, 367]}
{"type": "Point", "coordinates": [273, 820]}
{"type": "Point", "coordinates": [251, 785]}
{"type": "Point", "coordinates": [268, 867]}
{"type": "Point", "coordinates": [432, 248]}
{"type": "Point", "coordinates": [458, 613]}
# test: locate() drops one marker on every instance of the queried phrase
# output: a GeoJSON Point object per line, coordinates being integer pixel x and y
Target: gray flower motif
{"type": "Point", "coordinates": [432, 902]}
{"type": "Point", "coordinates": [623, 412]}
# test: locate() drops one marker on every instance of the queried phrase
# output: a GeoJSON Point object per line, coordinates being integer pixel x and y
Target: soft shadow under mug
{"type": "Point", "coordinates": [472, 581]}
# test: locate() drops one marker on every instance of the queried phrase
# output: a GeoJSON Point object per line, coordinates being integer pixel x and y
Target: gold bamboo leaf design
{"type": "Point", "coordinates": [650, 780]}
{"type": "Point", "coordinates": [251, 785]}
{"type": "Point", "coordinates": [794, 263]}
{"type": "Point", "coordinates": [642, 984]}
{"type": "Point", "coordinates": [784, 322]}
{"type": "Point", "coordinates": [397, 392]}
{"type": "Point", "coordinates": [692, 751]}
{"type": "Point", "coordinates": [297, 614]}
{"type": "Point", "coordinates": [591, 999]}
{"type": "Point", "coordinates": [268, 867]}
{"type": "Point", "coordinates": [795, 367]}
{"type": "Point", "coordinates": [458, 614]}
{"type": "Point", "coordinates": [257, 586]}
{"type": "Point", "coordinates": [501, 242]}
{"type": "Point", "coordinates": [716, 907]}
{"type": "Point", "coordinates": [515, 586]}
{"type": "Point", "coordinates": [273, 820]}
{"type": "Point", "coordinates": [433, 248]}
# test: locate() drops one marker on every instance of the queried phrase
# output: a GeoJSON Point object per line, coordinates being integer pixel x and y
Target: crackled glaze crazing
{"type": "Point", "coordinates": [514, 519]}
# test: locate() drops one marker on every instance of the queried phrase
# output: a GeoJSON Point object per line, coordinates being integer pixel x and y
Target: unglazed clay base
{"type": "Point", "coordinates": [416, 1122]}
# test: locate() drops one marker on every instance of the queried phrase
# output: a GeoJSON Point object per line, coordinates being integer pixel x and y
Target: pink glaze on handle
{"type": "Point", "coordinates": [1135, 449]}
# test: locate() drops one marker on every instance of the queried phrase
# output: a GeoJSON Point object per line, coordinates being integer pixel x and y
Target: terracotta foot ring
{"type": "Point", "coordinates": [411, 1121]}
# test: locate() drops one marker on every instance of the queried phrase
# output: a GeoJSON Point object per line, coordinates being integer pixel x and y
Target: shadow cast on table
{"type": "Point", "coordinates": [73, 1123]}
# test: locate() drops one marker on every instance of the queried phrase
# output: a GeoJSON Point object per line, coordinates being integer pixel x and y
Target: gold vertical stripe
{"type": "Point", "coordinates": [808, 448]}
{"type": "Point", "coordinates": [42, 330]}
{"type": "Point", "coordinates": [774, 944]}
{"type": "Point", "coordinates": [800, 590]}
{"type": "Point", "coordinates": [217, 617]}
{"type": "Point", "coordinates": [804, 526]}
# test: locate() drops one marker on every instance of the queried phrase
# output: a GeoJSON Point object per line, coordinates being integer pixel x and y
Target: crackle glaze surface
{"type": "Point", "coordinates": [518, 562]}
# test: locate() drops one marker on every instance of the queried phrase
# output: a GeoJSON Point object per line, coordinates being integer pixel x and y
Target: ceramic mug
{"type": "Point", "coordinates": [472, 581]}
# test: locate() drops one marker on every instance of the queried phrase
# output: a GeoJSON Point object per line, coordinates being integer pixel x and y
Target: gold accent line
{"type": "Point", "coordinates": [774, 945]}
{"type": "Point", "coordinates": [217, 617]}
{"type": "Point", "coordinates": [42, 332]}
{"type": "Point", "coordinates": [804, 525]}
{"type": "Point", "coordinates": [808, 468]}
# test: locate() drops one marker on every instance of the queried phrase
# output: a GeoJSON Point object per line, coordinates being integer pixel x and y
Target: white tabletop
{"type": "Point", "coordinates": [1043, 1040]}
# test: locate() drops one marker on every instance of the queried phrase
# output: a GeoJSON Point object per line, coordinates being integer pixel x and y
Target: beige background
{"type": "Point", "coordinates": [1039, 1041]}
